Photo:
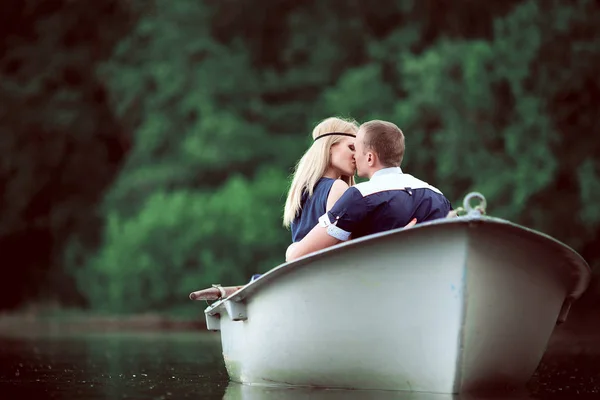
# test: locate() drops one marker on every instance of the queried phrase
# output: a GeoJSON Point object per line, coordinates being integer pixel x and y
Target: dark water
{"type": "Point", "coordinates": [190, 366]}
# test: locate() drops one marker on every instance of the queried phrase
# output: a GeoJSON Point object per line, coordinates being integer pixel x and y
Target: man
{"type": "Point", "coordinates": [389, 200]}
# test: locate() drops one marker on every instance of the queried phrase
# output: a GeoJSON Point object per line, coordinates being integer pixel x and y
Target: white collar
{"type": "Point", "coordinates": [387, 171]}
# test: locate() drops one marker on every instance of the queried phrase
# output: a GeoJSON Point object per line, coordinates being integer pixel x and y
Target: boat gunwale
{"type": "Point", "coordinates": [583, 275]}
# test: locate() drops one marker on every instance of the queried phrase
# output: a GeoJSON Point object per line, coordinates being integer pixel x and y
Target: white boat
{"type": "Point", "coordinates": [456, 305]}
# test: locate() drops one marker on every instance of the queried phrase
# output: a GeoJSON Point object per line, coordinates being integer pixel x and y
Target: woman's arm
{"type": "Point", "coordinates": [337, 190]}
{"type": "Point", "coordinates": [289, 251]}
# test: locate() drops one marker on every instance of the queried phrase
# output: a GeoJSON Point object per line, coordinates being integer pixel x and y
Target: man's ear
{"type": "Point", "coordinates": [370, 159]}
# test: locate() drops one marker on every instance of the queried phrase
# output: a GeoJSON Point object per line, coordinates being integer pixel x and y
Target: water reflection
{"type": "Point", "coordinates": [113, 366]}
{"type": "Point", "coordinates": [190, 365]}
{"type": "Point", "coordinates": [237, 391]}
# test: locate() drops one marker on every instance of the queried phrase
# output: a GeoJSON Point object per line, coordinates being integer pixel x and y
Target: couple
{"type": "Point", "coordinates": [325, 207]}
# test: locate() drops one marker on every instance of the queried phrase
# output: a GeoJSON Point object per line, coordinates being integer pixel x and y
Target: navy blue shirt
{"type": "Point", "coordinates": [311, 209]}
{"type": "Point", "coordinates": [390, 200]}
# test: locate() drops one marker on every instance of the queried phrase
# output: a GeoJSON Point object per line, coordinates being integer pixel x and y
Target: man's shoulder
{"type": "Point", "coordinates": [393, 183]}
{"type": "Point", "coordinates": [352, 192]}
{"type": "Point", "coordinates": [373, 186]}
{"type": "Point", "coordinates": [364, 188]}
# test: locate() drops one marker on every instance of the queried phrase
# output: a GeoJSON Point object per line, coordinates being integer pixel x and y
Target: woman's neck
{"type": "Point", "coordinates": [332, 173]}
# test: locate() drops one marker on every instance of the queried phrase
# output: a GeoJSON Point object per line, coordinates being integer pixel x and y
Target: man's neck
{"type": "Point", "coordinates": [385, 171]}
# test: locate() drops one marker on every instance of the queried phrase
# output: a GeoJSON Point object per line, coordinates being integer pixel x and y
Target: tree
{"type": "Point", "coordinates": [216, 96]}
{"type": "Point", "coordinates": [507, 117]}
{"type": "Point", "coordinates": [59, 141]}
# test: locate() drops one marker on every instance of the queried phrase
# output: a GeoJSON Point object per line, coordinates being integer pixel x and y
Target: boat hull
{"type": "Point", "coordinates": [452, 307]}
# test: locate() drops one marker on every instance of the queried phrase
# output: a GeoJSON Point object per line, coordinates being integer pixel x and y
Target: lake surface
{"type": "Point", "coordinates": [189, 365]}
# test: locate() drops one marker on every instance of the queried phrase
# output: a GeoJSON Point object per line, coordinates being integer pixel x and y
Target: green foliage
{"type": "Point", "coordinates": [476, 107]}
{"type": "Point", "coordinates": [471, 98]}
{"type": "Point", "coordinates": [192, 102]}
{"type": "Point", "coordinates": [184, 240]}
{"type": "Point", "coordinates": [490, 115]}
{"type": "Point", "coordinates": [219, 98]}
{"type": "Point", "coordinates": [589, 184]}
{"type": "Point", "coordinates": [59, 142]}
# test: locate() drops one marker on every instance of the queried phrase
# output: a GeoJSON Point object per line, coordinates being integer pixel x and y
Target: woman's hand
{"type": "Point", "coordinates": [289, 251]}
{"type": "Point", "coordinates": [452, 214]}
{"type": "Point", "coordinates": [412, 223]}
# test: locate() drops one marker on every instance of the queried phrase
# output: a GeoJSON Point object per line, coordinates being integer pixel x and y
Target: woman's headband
{"type": "Point", "coordinates": [335, 133]}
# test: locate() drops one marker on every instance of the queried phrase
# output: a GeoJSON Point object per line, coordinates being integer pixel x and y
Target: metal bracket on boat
{"type": "Point", "coordinates": [213, 322]}
{"type": "Point", "coordinates": [478, 210]}
{"type": "Point", "coordinates": [220, 289]}
{"type": "Point", "coordinates": [236, 310]}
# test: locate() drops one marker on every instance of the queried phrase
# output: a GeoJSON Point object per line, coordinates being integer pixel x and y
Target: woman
{"type": "Point", "coordinates": [322, 175]}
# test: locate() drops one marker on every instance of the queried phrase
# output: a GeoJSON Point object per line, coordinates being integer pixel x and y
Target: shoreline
{"type": "Point", "coordinates": [16, 323]}
{"type": "Point", "coordinates": [578, 336]}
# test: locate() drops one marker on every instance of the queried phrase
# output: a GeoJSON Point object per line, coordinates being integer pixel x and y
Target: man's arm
{"type": "Point", "coordinates": [316, 239]}
{"type": "Point", "coordinates": [334, 226]}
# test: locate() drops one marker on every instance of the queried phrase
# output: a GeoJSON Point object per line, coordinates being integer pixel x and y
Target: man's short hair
{"type": "Point", "coordinates": [386, 140]}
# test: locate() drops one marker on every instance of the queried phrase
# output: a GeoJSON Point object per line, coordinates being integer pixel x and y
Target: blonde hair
{"type": "Point", "coordinates": [314, 163]}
